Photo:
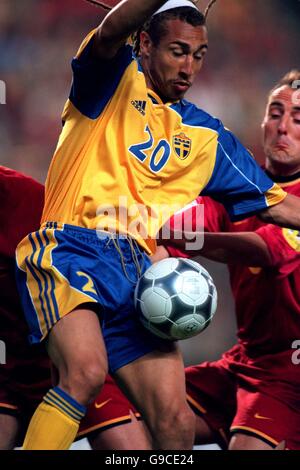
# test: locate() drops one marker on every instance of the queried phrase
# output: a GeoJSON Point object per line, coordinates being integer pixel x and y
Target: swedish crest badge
{"type": "Point", "coordinates": [182, 145]}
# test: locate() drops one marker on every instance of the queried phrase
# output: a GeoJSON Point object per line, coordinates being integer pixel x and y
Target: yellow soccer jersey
{"type": "Point", "coordinates": [125, 161]}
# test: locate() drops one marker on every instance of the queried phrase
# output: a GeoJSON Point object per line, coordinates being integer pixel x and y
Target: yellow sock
{"type": "Point", "coordinates": [50, 429]}
{"type": "Point", "coordinates": [55, 423]}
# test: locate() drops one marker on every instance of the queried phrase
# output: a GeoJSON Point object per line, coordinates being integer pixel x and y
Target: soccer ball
{"type": "Point", "coordinates": [176, 298]}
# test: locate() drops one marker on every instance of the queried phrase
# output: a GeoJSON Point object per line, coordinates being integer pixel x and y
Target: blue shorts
{"type": "Point", "coordinates": [62, 266]}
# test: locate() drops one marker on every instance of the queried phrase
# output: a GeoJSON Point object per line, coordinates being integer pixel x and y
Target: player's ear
{"type": "Point", "coordinates": [145, 43]}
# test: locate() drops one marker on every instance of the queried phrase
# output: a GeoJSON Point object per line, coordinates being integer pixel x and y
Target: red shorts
{"type": "Point", "coordinates": [230, 403]}
{"type": "Point", "coordinates": [111, 408]}
{"type": "Point", "coordinates": [26, 378]}
{"type": "Point", "coordinates": [23, 390]}
{"type": "Point", "coordinates": [24, 381]}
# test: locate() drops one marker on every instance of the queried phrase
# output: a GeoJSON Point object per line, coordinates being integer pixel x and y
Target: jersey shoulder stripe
{"type": "Point", "coordinates": [194, 116]}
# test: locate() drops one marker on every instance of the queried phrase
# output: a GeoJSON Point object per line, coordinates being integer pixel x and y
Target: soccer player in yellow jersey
{"type": "Point", "coordinates": [130, 147]}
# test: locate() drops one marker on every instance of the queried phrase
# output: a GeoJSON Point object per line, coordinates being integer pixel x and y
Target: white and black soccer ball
{"type": "Point", "coordinates": [176, 298]}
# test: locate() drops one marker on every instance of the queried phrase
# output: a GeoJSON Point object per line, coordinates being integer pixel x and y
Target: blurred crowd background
{"type": "Point", "coordinates": [252, 44]}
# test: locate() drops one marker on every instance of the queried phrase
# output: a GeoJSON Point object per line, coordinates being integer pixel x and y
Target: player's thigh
{"type": "Point", "coordinates": [211, 393]}
{"type": "Point", "coordinates": [155, 383]}
{"type": "Point", "coordinates": [243, 442]}
{"type": "Point", "coordinates": [266, 418]}
{"type": "Point", "coordinates": [131, 435]}
{"type": "Point", "coordinates": [204, 434]}
{"type": "Point", "coordinates": [76, 341]}
{"type": "Point", "coordinates": [9, 430]}
{"type": "Point", "coordinates": [112, 422]}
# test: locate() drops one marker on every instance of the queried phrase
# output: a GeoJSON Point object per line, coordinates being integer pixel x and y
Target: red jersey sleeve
{"type": "Point", "coordinates": [283, 245]}
{"type": "Point", "coordinates": [214, 219]}
{"type": "Point", "coordinates": [22, 200]}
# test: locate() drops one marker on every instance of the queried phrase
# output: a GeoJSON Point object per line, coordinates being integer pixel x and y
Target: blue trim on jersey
{"type": "Point", "coordinates": [95, 81]}
{"type": "Point", "coordinates": [140, 68]}
{"type": "Point", "coordinates": [237, 181]}
{"type": "Point", "coordinates": [193, 116]}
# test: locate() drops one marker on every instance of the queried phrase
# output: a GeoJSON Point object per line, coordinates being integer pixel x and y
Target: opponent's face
{"type": "Point", "coordinates": [281, 130]}
{"type": "Point", "coordinates": [171, 66]}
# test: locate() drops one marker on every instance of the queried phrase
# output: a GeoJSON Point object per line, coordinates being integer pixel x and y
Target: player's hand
{"type": "Point", "coordinates": [161, 253]}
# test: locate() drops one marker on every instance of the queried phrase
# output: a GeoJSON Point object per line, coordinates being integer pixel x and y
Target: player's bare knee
{"type": "Point", "coordinates": [178, 425]}
{"type": "Point", "coordinates": [84, 381]}
{"type": "Point", "coordinates": [184, 419]}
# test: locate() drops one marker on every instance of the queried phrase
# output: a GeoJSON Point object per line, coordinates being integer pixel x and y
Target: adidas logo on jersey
{"type": "Point", "coordinates": [140, 106]}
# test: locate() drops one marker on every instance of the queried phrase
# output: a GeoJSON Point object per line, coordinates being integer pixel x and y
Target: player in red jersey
{"type": "Point", "coordinates": [25, 377]}
{"type": "Point", "coordinates": [20, 210]}
{"type": "Point", "coordinates": [250, 398]}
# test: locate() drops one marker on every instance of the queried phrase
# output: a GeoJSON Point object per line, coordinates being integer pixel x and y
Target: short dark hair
{"type": "Point", "coordinates": [288, 79]}
{"type": "Point", "coordinates": [156, 26]}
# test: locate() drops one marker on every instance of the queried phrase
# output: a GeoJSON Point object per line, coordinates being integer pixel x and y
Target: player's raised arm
{"type": "Point", "coordinates": [120, 23]}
